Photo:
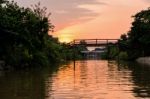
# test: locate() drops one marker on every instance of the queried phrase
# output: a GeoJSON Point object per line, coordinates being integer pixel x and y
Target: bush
{"type": "Point", "coordinates": [113, 52]}
{"type": "Point", "coordinates": [123, 56]}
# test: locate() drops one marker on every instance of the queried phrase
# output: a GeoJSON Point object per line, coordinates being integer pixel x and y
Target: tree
{"type": "Point", "coordinates": [123, 43]}
{"type": "Point", "coordinates": [24, 39]}
{"type": "Point", "coordinates": [24, 34]}
{"type": "Point", "coordinates": [138, 38]}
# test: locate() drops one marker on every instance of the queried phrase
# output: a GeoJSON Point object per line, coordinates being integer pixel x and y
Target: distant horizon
{"type": "Point", "coordinates": [96, 19]}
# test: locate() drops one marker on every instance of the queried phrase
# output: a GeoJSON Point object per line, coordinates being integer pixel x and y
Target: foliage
{"type": "Point", "coordinates": [123, 56]}
{"type": "Point", "coordinates": [24, 39]}
{"type": "Point", "coordinates": [113, 52]}
{"type": "Point", "coordinates": [123, 44]}
{"type": "Point", "coordinates": [24, 34]}
{"type": "Point", "coordinates": [137, 41]}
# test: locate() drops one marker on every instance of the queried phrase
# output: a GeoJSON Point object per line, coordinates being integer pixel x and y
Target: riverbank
{"type": "Point", "coordinates": [144, 60]}
{"type": "Point", "coordinates": [1, 65]}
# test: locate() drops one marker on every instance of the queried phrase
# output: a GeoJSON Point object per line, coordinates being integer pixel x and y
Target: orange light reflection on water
{"type": "Point", "coordinates": [92, 80]}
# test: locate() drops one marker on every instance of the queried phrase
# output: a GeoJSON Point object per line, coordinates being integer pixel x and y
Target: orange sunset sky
{"type": "Point", "coordinates": [80, 19]}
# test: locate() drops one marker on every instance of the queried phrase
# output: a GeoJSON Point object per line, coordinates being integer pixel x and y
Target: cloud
{"type": "Point", "coordinates": [66, 12]}
{"type": "Point", "coordinates": [147, 1]}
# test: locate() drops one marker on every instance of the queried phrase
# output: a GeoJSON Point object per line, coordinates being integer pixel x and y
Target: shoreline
{"type": "Point", "coordinates": [144, 60]}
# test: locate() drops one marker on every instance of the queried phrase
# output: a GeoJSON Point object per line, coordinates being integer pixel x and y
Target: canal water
{"type": "Point", "coordinates": [91, 79]}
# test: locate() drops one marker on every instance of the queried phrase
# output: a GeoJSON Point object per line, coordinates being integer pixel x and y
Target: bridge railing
{"type": "Point", "coordinates": [93, 41]}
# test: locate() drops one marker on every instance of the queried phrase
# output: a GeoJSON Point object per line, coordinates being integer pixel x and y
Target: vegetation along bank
{"type": "Point", "coordinates": [24, 39]}
{"type": "Point", "coordinates": [136, 42]}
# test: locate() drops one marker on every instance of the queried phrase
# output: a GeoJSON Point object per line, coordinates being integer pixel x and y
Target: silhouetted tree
{"type": "Point", "coordinates": [138, 38]}
{"type": "Point", "coordinates": [24, 39]}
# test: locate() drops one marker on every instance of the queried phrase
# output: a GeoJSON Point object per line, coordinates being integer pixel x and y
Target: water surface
{"type": "Point", "coordinates": [91, 79]}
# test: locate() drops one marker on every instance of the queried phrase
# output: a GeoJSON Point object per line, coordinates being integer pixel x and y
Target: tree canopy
{"type": "Point", "coordinates": [24, 39]}
{"type": "Point", "coordinates": [137, 40]}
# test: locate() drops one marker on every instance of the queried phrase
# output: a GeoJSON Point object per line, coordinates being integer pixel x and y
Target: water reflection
{"type": "Point", "coordinates": [27, 84]}
{"type": "Point", "coordinates": [20, 86]}
{"type": "Point", "coordinates": [98, 79]}
{"type": "Point", "coordinates": [89, 79]}
{"type": "Point", "coordinates": [141, 78]}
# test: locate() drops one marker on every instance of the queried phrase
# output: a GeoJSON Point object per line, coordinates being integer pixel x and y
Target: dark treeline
{"type": "Point", "coordinates": [24, 39]}
{"type": "Point", "coordinates": [136, 43]}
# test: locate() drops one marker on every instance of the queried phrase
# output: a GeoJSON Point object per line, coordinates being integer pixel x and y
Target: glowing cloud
{"type": "Point", "coordinates": [90, 18]}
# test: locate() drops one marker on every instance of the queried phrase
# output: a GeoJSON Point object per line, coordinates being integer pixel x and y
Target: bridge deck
{"type": "Point", "coordinates": [94, 42]}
